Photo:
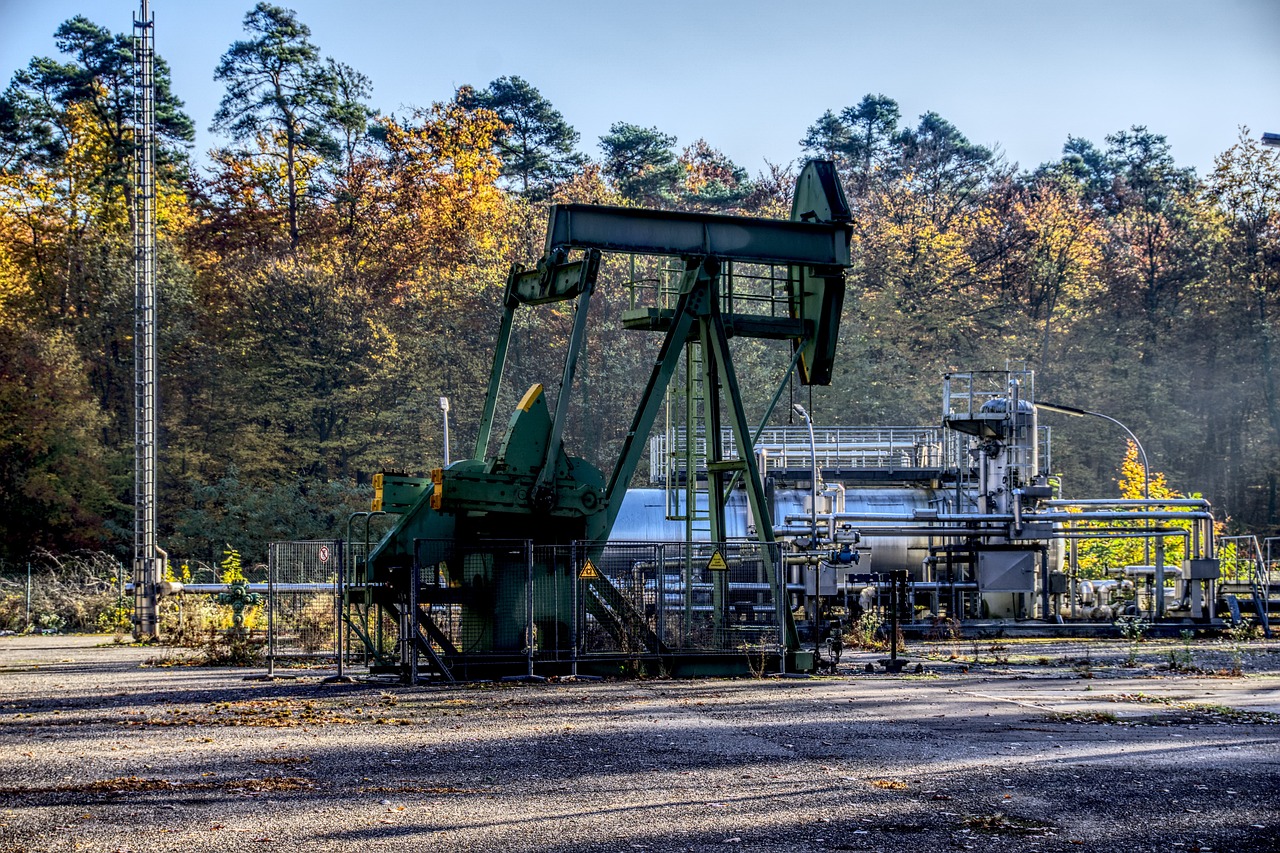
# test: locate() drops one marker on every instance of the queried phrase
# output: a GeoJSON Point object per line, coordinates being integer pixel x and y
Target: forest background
{"type": "Point", "coordinates": [334, 271]}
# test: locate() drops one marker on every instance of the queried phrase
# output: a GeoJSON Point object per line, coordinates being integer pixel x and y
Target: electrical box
{"type": "Point", "coordinates": [1007, 571]}
{"type": "Point", "coordinates": [1201, 570]}
{"type": "Point", "coordinates": [1057, 583]}
{"type": "Point", "coordinates": [820, 579]}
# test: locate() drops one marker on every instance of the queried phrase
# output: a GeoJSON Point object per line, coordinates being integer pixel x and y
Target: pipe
{"type": "Point", "coordinates": [1134, 502]}
{"type": "Point", "coordinates": [174, 587]}
{"type": "Point", "coordinates": [978, 517]}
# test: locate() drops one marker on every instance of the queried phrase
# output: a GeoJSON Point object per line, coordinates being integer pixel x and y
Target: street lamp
{"type": "Point", "coordinates": [444, 407]}
{"type": "Point", "coordinates": [1142, 454]}
{"type": "Point", "coordinates": [813, 473]}
{"type": "Point", "coordinates": [812, 604]}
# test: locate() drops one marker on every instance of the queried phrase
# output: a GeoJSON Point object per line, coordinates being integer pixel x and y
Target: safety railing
{"type": "Point", "coordinates": [841, 448]}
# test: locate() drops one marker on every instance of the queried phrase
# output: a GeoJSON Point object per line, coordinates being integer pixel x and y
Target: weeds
{"type": "Point", "coordinates": [1084, 665]}
{"type": "Point", "coordinates": [1002, 824]}
{"type": "Point", "coordinates": [1241, 632]}
{"type": "Point", "coordinates": [757, 655]}
{"type": "Point", "coordinates": [1133, 629]}
{"type": "Point", "coordinates": [864, 632]}
{"type": "Point", "coordinates": [1103, 717]}
{"type": "Point", "coordinates": [1180, 659]}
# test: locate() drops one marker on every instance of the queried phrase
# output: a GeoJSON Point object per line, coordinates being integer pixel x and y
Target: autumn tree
{"type": "Point", "coordinates": [55, 489]}
{"type": "Point", "coordinates": [99, 76]}
{"type": "Point", "coordinates": [278, 86]}
{"type": "Point", "coordinates": [536, 145]}
{"type": "Point", "coordinates": [712, 181]}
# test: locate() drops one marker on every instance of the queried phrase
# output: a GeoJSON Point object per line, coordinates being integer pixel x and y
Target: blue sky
{"type": "Point", "coordinates": [751, 76]}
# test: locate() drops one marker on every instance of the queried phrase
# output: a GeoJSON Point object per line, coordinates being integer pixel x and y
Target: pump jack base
{"type": "Point", "coordinates": [338, 679]}
{"type": "Point", "coordinates": [894, 666]}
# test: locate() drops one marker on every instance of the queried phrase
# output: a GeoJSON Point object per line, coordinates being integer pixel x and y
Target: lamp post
{"type": "Point", "coordinates": [444, 407]}
{"type": "Point", "coordinates": [1142, 454]}
{"type": "Point", "coordinates": [813, 474]}
{"type": "Point", "coordinates": [812, 604]}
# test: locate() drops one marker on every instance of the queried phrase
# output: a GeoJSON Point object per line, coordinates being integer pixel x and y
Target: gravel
{"type": "Point", "coordinates": [1035, 746]}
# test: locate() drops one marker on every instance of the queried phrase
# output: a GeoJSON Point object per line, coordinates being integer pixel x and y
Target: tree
{"type": "Point", "coordinates": [948, 170]}
{"type": "Point", "coordinates": [349, 114]}
{"type": "Point", "coordinates": [537, 145]}
{"type": "Point", "coordinates": [863, 140]}
{"type": "Point", "coordinates": [1155, 212]}
{"type": "Point", "coordinates": [33, 110]}
{"type": "Point", "coordinates": [277, 84]}
{"type": "Point", "coordinates": [711, 180]}
{"type": "Point", "coordinates": [1245, 186]}
{"type": "Point", "coordinates": [641, 163]}
{"type": "Point", "coordinates": [873, 136]}
{"type": "Point", "coordinates": [54, 482]}
{"type": "Point", "coordinates": [1086, 165]}
{"type": "Point", "coordinates": [827, 138]}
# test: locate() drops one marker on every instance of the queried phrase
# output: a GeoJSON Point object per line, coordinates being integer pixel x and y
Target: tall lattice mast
{"type": "Point", "coordinates": [148, 559]}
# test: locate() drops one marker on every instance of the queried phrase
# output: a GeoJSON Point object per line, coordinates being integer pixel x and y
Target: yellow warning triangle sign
{"type": "Point", "coordinates": [717, 563]}
{"type": "Point", "coordinates": [589, 571]}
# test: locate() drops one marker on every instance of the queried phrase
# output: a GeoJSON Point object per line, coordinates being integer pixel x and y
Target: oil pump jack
{"type": "Point", "coordinates": [494, 564]}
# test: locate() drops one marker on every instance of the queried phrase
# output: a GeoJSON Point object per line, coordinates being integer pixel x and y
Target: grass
{"type": "Point", "coordinates": [1172, 713]}
{"type": "Point", "coordinates": [1103, 717]}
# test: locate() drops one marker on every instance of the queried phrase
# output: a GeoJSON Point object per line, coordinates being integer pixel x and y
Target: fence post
{"type": "Point", "coordinates": [271, 610]}
{"type": "Point", "coordinates": [780, 588]}
{"type": "Point", "coordinates": [573, 623]}
{"type": "Point", "coordinates": [411, 620]}
{"type": "Point", "coordinates": [528, 629]}
{"type": "Point", "coordinates": [339, 623]}
{"type": "Point", "coordinates": [660, 599]}
{"type": "Point", "coordinates": [28, 596]}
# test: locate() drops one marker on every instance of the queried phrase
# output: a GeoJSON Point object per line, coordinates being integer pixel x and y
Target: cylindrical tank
{"type": "Point", "coordinates": [643, 518]}
{"type": "Point", "coordinates": [1010, 460]}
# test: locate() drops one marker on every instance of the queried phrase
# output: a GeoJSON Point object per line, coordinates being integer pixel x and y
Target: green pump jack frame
{"type": "Point", "coordinates": [814, 245]}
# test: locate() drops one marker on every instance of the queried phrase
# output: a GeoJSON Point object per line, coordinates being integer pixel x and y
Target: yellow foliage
{"type": "Point", "coordinates": [232, 571]}
{"type": "Point", "coordinates": [440, 214]}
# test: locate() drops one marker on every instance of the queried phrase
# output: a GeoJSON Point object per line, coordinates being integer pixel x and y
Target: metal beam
{"type": "Point", "coordinates": [495, 379]}
{"type": "Point", "coordinates": [678, 234]}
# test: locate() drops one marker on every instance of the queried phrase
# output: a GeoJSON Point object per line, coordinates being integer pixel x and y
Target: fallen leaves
{"type": "Point", "coordinates": [136, 784]}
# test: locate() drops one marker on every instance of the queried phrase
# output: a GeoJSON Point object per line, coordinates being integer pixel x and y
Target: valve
{"type": "Point", "coordinates": [845, 555]}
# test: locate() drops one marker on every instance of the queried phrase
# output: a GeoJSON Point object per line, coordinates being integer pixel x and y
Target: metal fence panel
{"type": "Point", "coordinates": [619, 598]}
{"type": "Point", "coordinates": [553, 605]}
{"type": "Point", "coordinates": [302, 599]}
{"type": "Point", "coordinates": [478, 595]}
{"type": "Point", "coordinates": [690, 597]}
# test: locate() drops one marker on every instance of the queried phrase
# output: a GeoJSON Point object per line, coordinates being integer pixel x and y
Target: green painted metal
{"type": "Point", "coordinates": [531, 490]}
{"type": "Point", "coordinates": [395, 492]}
{"type": "Point", "coordinates": [495, 379]}
{"type": "Point", "coordinates": [818, 289]}
{"type": "Point", "coordinates": [639, 231]}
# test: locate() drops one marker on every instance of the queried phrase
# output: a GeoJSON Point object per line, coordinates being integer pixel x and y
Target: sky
{"type": "Point", "coordinates": [751, 76]}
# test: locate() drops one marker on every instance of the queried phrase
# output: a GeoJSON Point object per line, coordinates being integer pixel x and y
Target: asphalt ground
{"type": "Point", "coordinates": [1040, 746]}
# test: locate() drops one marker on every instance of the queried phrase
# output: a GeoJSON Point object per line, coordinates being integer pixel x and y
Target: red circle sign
{"type": "Point", "coordinates": [324, 553]}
